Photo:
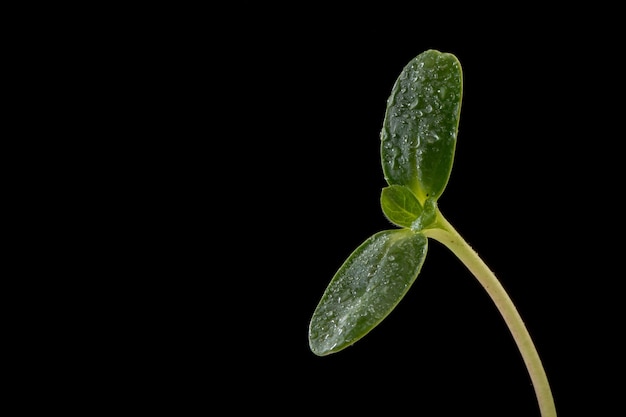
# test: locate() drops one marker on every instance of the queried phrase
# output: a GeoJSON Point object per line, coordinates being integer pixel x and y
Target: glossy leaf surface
{"type": "Point", "coordinates": [400, 205]}
{"type": "Point", "coordinates": [366, 288]}
{"type": "Point", "coordinates": [418, 137]}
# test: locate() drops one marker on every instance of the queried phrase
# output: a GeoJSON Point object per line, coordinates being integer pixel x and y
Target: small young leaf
{"type": "Point", "coordinates": [428, 218]}
{"type": "Point", "coordinates": [400, 205]}
{"type": "Point", "coordinates": [366, 288]}
{"type": "Point", "coordinates": [418, 137]}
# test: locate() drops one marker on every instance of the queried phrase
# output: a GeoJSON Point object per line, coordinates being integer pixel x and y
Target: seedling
{"type": "Point", "coordinates": [418, 141]}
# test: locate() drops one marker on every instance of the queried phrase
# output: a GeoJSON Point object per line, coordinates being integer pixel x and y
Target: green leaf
{"type": "Point", "coordinates": [400, 205]}
{"type": "Point", "coordinates": [428, 217]}
{"type": "Point", "coordinates": [418, 137]}
{"type": "Point", "coordinates": [366, 288]}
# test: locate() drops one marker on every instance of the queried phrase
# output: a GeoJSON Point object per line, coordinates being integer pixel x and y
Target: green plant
{"type": "Point", "coordinates": [418, 142]}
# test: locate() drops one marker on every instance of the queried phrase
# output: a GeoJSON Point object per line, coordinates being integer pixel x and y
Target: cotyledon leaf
{"type": "Point", "coordinates": [366, 288]}
{"type": "Point", "coordinates": [418, 137]}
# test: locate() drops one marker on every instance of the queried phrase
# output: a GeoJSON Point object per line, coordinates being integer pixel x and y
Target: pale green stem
{"type": "Point", "coordinates": [447, 235]}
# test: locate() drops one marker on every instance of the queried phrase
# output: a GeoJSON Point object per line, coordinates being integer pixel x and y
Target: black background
{"type": "Point", "coordinates": [246, 168]}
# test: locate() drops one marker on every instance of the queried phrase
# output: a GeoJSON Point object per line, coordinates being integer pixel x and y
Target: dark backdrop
{"type": "Point", "coordinates": [255, 171]}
